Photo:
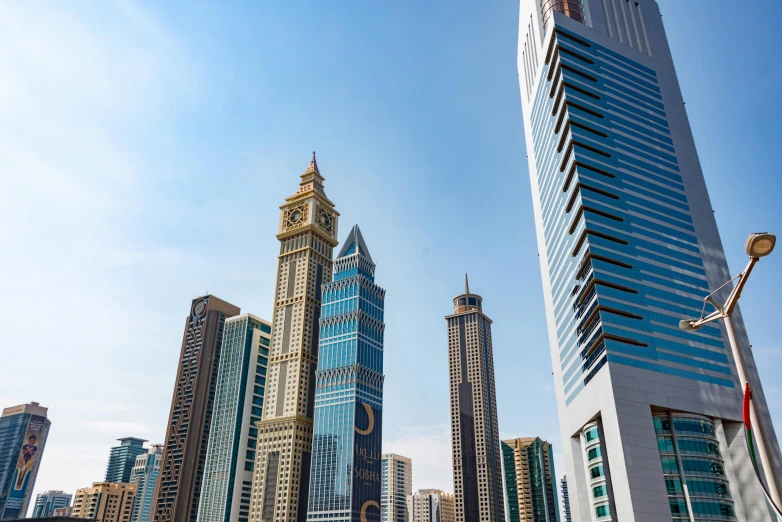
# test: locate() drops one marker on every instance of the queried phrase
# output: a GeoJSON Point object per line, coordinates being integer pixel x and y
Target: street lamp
{"type": "Point", "coordinates": [757, 246]}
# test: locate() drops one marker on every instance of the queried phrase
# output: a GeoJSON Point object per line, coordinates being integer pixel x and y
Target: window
{"type": "Point", "coordinates": [602, 511]}
{"type": "Point", "coordinates": [597, 471]}
{"type": "Point", "coordinates": [591, 435]}
{"type": "Point", "coordinates": [599, 491]}
{"type": "Point", "coordinates": [594, 453]}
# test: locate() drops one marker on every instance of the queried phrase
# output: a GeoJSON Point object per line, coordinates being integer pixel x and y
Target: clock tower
{"type": "Point", "coordinates": [307, 235]}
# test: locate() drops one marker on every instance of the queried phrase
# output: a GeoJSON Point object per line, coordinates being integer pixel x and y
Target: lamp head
{"type": "Point", "coordinates": [760, 244]}
{"type": "Point", "coordinates": [686, 324]}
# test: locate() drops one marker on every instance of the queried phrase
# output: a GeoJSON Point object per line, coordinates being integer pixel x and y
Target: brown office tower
{"type": "Point", "coordinates": [477, 472]}
{"type": "Point", "coordinates": [308, 235]}
{"type": "Point", "coordinates": [187, 435]}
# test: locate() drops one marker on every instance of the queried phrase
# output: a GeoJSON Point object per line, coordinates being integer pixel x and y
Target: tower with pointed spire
{"type": "Point", "coordinates": [477, 472]}
{"type": "Point", "coordinates": [307, 235]}
{"type": "Point", "coordinates": [347, 442]}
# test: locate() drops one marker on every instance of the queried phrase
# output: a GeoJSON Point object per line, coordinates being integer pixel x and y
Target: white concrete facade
{"type": "Point", "coordinates": [622, 397]}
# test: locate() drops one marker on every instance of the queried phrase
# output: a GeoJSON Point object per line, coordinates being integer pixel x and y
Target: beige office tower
{"type": "Point", "coordinates": [308, 235]}
{"type": "Point", "coordinates": [477, 472]}
{"type": "Point", "coordinates": [397, 485]}
{"type": "Point", "coordinates": [431, 505]}
{"type": "Point", "coordinates": [104, 501]}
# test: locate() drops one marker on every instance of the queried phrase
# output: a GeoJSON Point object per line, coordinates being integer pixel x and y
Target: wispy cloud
{"type": "Point", "coordinates": [430, 449]}
{"type": "Point", "coordinates": [117, 427]}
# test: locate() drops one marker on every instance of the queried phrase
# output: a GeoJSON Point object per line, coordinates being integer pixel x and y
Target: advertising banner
{"type": "Point", "coordinates": [26, 468]}
{"type": "Point", "coordinates": [367, 463]}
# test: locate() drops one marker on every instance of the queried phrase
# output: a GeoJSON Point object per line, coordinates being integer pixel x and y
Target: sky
{"type": "Point", "coordinates": [145, 149]}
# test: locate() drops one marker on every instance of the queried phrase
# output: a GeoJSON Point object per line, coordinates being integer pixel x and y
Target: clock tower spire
{"type": "Point", "coordinates": [308, 234]}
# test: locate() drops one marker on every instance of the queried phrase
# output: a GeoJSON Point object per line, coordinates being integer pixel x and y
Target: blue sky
{"type": "Point", "coordinates": [145, 149]}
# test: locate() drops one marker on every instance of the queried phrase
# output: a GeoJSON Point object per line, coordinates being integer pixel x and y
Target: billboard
{"type": "Point", "coordinates": [26, 468]}
{"type": "Point", "coordinates": [367, 463]}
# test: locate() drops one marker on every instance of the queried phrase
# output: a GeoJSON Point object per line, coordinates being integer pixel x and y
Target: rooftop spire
{"type": "Point", "coordinates": [354, 243]}
{"type": "Point", "coordinates": [466, 284]}
{"type": "Point", "coordinates": [313, 165]}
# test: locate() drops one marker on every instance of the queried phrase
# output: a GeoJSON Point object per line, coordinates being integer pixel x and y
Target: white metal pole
{"type": "Point", "coordinates": [759, 432]}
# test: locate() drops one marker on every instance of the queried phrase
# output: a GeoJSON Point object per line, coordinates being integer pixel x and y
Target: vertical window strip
{"type": "Point", "coordinates": [616, 20]}
{"type": "Point", "coordinates": [643, 28]}
{"type": "Point", "coordinates": [635, 25]}
{"type": "Point", "coordinates": [627, 26]}
{"type": "Point", "coordinates": [526, 70]}
{"type": "Point", "coordinates": [530, 74]}
{"type": "Point", "coordinates": [534, 43]}
{"type": "Point", "coordinates": [607, 17]}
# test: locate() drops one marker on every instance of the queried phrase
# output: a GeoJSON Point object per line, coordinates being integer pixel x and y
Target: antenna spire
{"type": "Point", "coordinates": [466, 285]}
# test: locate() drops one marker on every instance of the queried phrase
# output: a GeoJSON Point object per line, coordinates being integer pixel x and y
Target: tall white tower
{"type": "Point", "coordinates": [650, 414]}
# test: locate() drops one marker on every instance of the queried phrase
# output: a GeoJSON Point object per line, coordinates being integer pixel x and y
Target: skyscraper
{"type": "Point", "coordinates": [396, 486]}
{"type": "Point", "coordinates": [23, 431]}
{"type": "Point", "coordinates": [431, 505]}
{"type": "Point", "coordinates": [347, 440]}
{"type": "Point", "coordinates": [145, 477]}
{"type": "Point", "coordinates": [477, 472]}
{"type": "Point", "coordinates": [565, 512]}
{"type": "Point", "coordinates": [530, 481]}
{"type": "Point", "coordinates": [48, 501]}
{"type": "Point", "coordinates": [650, 414]}
{"type": "Point", "coordinates": [307, 235]}
{"type": "Point", "coordinates": [104, 501]}
{"type": "Point", "coordinates": [122, 458]}
{"type": "Point", "coordinates": [238, 407]}
{"type": "Point", "coordinates": [187, 435]}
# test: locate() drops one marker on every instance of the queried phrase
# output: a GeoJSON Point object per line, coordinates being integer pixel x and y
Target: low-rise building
{"type": "Point", "coordinates": [105, 501]}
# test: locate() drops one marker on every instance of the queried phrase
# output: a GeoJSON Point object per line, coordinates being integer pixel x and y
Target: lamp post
{"type": "Point", "coordinates": [758, 245]}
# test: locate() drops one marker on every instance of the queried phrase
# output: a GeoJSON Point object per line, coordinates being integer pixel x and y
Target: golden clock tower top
{"type": "Point", "coordinates": [309, 209]}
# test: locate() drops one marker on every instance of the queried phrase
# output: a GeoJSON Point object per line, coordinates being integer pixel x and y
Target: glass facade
{"type": "Point", "coordinates": [144, 476]}
{"type": "Point", "coordinates": [122, 458]}
{"type": "Point", "coordinates": [693, 467]}
{"type": "Point", "coordinates": [48, 501]}
{"type": "Point", "coordinates": [530, 480]}
{"type": "Point", "coordinates": [230, 456]}
{"type": "Point", "coordinates": [597, 473]}
{"type": "Point", "coordinates": [346, 449]}
{"type": "Point", "coordinates": [625, 263]}
{"type": "Point", "coordinates": [23, 433]}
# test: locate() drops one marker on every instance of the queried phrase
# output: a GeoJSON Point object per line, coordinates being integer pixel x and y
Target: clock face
{"type": "Point", "coordinates": [200, 307]}
{"type": "Point", "coordinates": [295, 217]}
{"type": "Point", "coordinates": [326, 220]}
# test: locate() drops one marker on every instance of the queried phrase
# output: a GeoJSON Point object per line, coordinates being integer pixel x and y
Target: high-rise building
{"type": "Point", "coordinates": [530, 481]}
{"type": "Point", "coordinates": [565, 511]}
{"type": "Point", "coordinates": [145, 477]}
{"type": "Point", "coordinates": [396, 486]}
{"type": "Point", "coordinates": [238, 407]}
{"type": "Point", "coordinates": [628, 244]}
{"type": "Point", "coordinates": [122, 458]}
{"type": "Point", "coordinates": [307, 235]}
{"type": "Point", "coordinates": [104, 501]}
{"type": "Point", "coordinates": [431, 505]}
{"type": "Point", "coordinates": [349, 391]}
{"type": "Point", "coordinates": [187, 435]}
{"type": "Point", "coordinates": [23, 431]}
{"type": "Point", "coordinates": [477, 471]}
{"type": "Point", "coordinates": [48, 501]}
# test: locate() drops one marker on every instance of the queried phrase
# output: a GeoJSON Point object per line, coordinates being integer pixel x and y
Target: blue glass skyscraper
{"type": "Point", "coordinates": [346, 449]}
{"type": "Point", "coordinates": [628, 244]}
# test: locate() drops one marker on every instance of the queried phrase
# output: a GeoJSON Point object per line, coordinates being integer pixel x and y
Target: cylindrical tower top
{"type": "Point", "coordinates": [569, 8]}
{"type": "Point", "coordinates": [467, 301]}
